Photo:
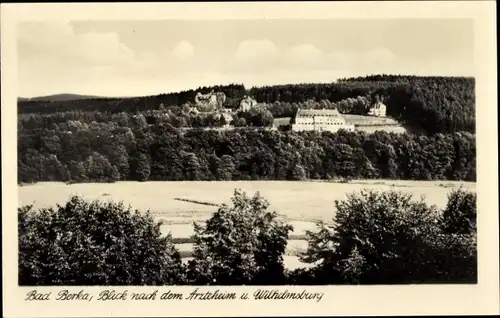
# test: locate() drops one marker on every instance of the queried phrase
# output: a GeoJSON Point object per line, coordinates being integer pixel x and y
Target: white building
{"type": "Point", "coordinates": [247, 102]}
{"type": "Point", "coordinates": [378, 110]}
{"type": "Point", "coordinates": [320, 120]}
{"type": "Point", "coordinates": [209, 102]}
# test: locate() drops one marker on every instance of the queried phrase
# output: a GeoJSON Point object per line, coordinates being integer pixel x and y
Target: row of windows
{"type": "Point", "coordinates": [322, 115]}
{"type": "Point", "coordinates": [323, 128]}
{"type": "Point", "coordinates": [319, 120]}
{"type": "Point", "coordinates": [321, 123]}
{"type": "Point", "coordinates": [326, 128]}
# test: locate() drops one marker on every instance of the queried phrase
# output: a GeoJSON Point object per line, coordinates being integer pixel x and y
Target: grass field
{"type": "Point", "coordinates": [387, 128]}
{"type": "Point", "coordinates": [281, 121]}
{"type": "Point", "coordinates": [369, 120]}
{"type": "Point", "coordinates": [300, 203]}
{"type": "Point", "coordinates": [370, 124]}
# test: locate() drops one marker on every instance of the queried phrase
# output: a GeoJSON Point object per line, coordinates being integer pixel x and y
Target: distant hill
{"type": "Point", "coordinates": [57, 98]}
{"type": "Point", "coordinates": [65, 102]}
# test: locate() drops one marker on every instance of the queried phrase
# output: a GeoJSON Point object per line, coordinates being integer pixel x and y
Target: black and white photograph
{"type": "Point", "coordinates": [247, 152]}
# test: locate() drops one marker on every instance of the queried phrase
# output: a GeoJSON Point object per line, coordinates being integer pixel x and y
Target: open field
{"type": "Point", "coordinates": [387, 128]}
{"type": "Point", "coordinates": [368, 120]}
{"type": "Point", "coordinates": [291, 262]}
{"type": "Point", "coordinates": [281, 121]}
{"type": "Point", "coordinates": [300, 203]}
{"type": "Point", "coordinates": [370, 124]}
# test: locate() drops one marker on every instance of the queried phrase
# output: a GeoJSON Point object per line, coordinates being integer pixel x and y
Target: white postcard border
{"type": "Point", "coordinates": [344, 300]}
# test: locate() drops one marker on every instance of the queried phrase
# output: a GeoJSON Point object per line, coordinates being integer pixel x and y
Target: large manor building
{"type": "Point", "coordinates": [320, 120]}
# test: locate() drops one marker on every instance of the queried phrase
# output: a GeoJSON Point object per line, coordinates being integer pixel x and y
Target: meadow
{"type": "Point", "coordinates": [368, 120]}
{"type": "Point", "coordinates": [299, 203]}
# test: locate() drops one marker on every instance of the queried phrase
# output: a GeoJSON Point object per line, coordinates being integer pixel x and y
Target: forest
{"type": "Point", "coordinates": [105, 152]}
{"type": "Point", "coordinates": [107, 140]}
{"type": "Point", "coordinates": [436, 104]}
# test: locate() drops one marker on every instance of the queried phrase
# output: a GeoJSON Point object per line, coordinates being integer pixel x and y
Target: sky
{"type": "Point", "coordinates": [137, 58]}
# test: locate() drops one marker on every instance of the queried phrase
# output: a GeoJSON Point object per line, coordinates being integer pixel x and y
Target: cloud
{"type": "Point", "coordinates": [305, 55]}
{"type": "Point", "coordinates": [57, 40]}
{"type": "Point", "coordinates": [257, 56]}
{"type": "Point", "coordinates": [378, 55]}
{"type": "Point", "coordinates": [55, 58]}
{"type": "Point", "coordinates": [256, 50]}
{"type": "Point", "coordinates": [52, 56]}
{"type": "Point", "coordinates": [254, 55]}
{"type": "Point", "coordinates": [183, 51]}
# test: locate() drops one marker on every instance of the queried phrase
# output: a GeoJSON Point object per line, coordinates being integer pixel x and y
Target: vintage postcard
{"type": "Point", "coordinates": [249, 159]}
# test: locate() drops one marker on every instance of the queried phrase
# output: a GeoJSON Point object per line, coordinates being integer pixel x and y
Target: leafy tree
{"type": "Point", "coordinates": [226, 169]}
{"type": "Point", "coordinates": [259, 116]}
{"type": "Point", "coordinates": [387, 237]}
{"type": "Point", "coordinates": [239, 122]}
{"type": "Point", "coordinates": [94, 243]}
{"type": "Point", "coordinates": [141, 167]}
{"type": "Point", "coordinates": [98, 168]}
{"type": "Point", "coordinates": [459, 216]}
{"type": "Point", "coordinates": [352, 267]}
{"type": "Point", "coordinates": [240, 244]}
{"type": "Point", "coordinates": [298, 173]}
{"type": "Point", "coordinates": [192, 166]}
{"type": "Point", "coordinates": [78, 172]}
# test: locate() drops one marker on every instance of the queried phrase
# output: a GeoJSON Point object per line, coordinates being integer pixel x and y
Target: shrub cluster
{"type": "Point", "coordinates": [459, 216]}
{"type": "Point", "coordinates": [94, 243]}
{"type": "Point", "coordinates": [390, 238]}
{"type": "Point", "coordinates": [375, 238]}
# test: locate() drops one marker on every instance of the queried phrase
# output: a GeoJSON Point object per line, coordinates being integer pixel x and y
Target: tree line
{"type": "Point", "coordinates": [186, 116]}
{"type": "Point", "coordinates": [128, 148]}
{"type": "Point", "coordinates": [373, 238]}
{"type": "Point", "coordinates": [435, 104]}
{"type": "Point", "coordinates": [233, 92]}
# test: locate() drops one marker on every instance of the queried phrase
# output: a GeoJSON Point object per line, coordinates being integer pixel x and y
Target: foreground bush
{"type": "Point", "coordinates": [376, 238]}
{"type": "Point", "coordinates": [94, 243]}
{"type": "Point", "coordinates": [386, 238]}
{"type": "Point", "coordinates": [240, 244]}
{"type": "Point", "coordinates": [452, 258]}
{"type": "Point", "coordinates": [459, 216]}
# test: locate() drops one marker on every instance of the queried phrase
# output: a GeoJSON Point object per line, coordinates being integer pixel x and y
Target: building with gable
{"type": "Point", "coordinates": [378, 110]}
